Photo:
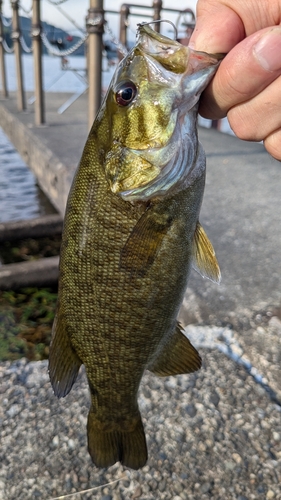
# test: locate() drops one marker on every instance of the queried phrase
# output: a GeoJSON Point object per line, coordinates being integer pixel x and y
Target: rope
{"type": "Point", "coordinates": [6, 47]}
{"type": "Point", "coordinates": [65, 14]}
{"type": "Point", "coordinates": [5, 22]}
{"type": "Point", "coordinates": [120, 47]}
{"type": "Point", "coordinates": [58, 2]}
{"type": "Point", "coordinates": [62, 53]}
{"type": "Point", "coordinates": [25, 47]}
{"type": "Point", "coordinates": [25, 10]}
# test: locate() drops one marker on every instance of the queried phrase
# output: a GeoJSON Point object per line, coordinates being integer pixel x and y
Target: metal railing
{"type": "Point", "coordinates": [2, 56]}
{"type": "Point", "coordinates": [96, 25]}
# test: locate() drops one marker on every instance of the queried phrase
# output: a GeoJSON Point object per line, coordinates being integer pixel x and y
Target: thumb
{"type": "Point", "coordinates": [218, 28]}
{"type": "Point", "coordinates": [250, 67]}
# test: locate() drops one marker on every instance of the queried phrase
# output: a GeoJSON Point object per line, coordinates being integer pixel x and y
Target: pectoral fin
{"type": "Point", "coordinates": [177, 356]}
{"type": "Point", "coordinates": [64, 363]}
{"type": "Point", "coordinates": [145, 240]}
{"type": "Point", "coordinates": [204, 258]}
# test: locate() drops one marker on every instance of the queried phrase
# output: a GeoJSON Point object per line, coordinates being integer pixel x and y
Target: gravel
{"type": "Point", "coordinates": [214, 434]}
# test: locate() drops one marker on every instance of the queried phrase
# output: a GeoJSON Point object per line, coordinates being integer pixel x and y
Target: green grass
{"type": "Point", "coordinates": [26, 315]}
{"type": "Point", "coordinates": [29, 249]}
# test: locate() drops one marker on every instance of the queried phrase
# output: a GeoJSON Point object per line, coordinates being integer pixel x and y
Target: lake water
{"type": "Point", "coordinates": [20, 197]}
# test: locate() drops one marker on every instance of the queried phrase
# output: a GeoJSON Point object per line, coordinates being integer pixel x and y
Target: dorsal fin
{"type": "Point", "coordinates": [204, 257]}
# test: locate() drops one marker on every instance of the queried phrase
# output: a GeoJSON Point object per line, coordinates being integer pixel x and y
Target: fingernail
{"type": "Point", "coordinates": [268, 50]}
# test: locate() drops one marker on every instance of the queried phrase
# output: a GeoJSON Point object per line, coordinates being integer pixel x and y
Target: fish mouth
{"type": "Point", "coordinates": [171, 54]}
{"type": "Point", "coordinates": [166, 164]}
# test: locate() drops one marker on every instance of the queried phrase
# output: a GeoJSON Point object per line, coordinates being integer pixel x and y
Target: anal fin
{"type": "Point", "coordinates": [64, 363]}
{"type": "Point", "coordinates": [177, 356]}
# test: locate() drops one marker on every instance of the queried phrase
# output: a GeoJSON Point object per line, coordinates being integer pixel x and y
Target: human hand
{"type": "Point", "coordinates": [247, 85]}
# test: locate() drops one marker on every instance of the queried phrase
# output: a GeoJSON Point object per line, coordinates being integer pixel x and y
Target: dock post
{"type": "Point", "coordinates": [157, 6]}
{"type": "Point", "coordinates": [124, 14]}
{"type": "Point", "coordinates": [95, 28]}
{"type": "Point", "coordinates": [16, 39]}
{"type": "Point", "coordinates": [2, 56]}
{"type": "Point", "coordinates": [37, 55]}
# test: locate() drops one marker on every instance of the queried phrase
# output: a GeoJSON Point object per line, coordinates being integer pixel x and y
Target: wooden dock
{"type": "Point", "coordinates": [51, 151]}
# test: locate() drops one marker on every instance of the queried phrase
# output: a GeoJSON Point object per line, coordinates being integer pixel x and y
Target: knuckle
{"type": "Point", "coordinates": [245, 125]}
{"type": "Point", "coordinates": [272, 144]}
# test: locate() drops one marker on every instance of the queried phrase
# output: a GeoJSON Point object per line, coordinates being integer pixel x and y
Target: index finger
{"type": "Point", "coordinates": [218, 28]}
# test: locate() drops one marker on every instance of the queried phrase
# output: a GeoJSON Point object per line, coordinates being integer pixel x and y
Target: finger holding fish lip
{"type": "Point", "coordinates": [247, 87]}
{"type": "Point", "coordinates": [259, 117]}
{"type": "Point", "coordinates": [272, 143]}
{"type": "Point", "coordinates": [243, 74]}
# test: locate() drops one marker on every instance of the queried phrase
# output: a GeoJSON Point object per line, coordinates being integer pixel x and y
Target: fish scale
{"type": "Point", "coordinates": [125, 262]}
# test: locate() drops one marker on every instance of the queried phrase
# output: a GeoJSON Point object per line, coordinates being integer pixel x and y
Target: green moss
{"type": "Point", "coordinates": [29, 249]}
{"type": "Point", "coordinates": [26, 318]}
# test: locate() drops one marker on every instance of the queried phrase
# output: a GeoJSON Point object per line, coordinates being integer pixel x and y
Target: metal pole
{"type": "Point", "coordinates": [124, 14]}
{"type": "Point", "coordinates": [2, 56]}
{"type": "Point", "coordinates": [95, 28]}
{"type": "Point", "coordinates": [37, 55]}
{"type": "Point", "coordinates": [16, 39]}
{"type": "Point", "coordinates": [157, 6]}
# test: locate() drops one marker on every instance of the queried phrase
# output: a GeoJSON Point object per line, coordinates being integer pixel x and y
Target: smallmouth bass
{"type": "Point", "coordinates": [131, 234]}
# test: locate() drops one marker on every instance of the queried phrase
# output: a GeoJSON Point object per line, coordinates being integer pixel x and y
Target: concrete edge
{"type": "Point", "coordinates": [52, 175]}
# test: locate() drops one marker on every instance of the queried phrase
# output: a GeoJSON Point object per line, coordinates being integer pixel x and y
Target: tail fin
{"type": "Point", "coordinates": [108, 447]}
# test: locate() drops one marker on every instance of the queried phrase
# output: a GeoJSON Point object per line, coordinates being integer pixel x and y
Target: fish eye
{"type": "Point", "coordinates": [125, 93]}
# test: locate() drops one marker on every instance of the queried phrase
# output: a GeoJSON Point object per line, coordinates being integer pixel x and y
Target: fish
{"type": "Point", "coordinates": [131, 235]}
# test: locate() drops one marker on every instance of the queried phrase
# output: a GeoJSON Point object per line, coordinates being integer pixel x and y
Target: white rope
{"type": "Point", "coordinates": [25, 10]}
{"type": "Point", "coordinates": [6, 47]}
{"type": "Point", "coordinates": [120, 47]}
{"type": "Point", "coordinates": [62, 53]}
{"type": "Point", "coordinates": [5, 22]}
{"type": "Point", "coordinates": [25, 47]}
{"type": "Point", "coordinates": [58, 2]}
{"type": "Point", "coordinates": [66, 15]}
